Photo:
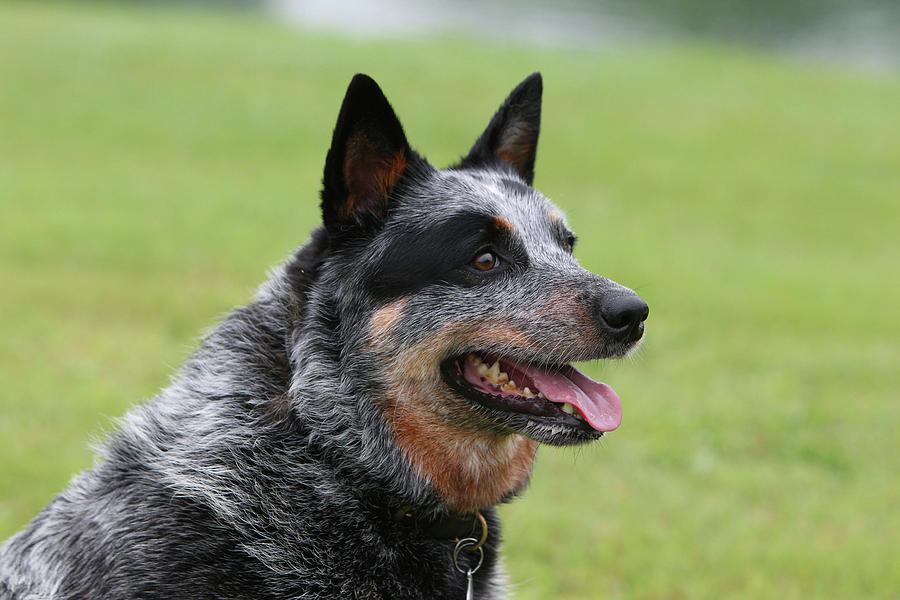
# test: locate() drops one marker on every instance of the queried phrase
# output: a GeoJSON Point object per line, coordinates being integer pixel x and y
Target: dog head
{"type": "Point", "coordinates": [456, 302]}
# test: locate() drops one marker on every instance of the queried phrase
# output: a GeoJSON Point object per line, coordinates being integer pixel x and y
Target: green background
{"type": "Point", "coordinates": [154, 164]}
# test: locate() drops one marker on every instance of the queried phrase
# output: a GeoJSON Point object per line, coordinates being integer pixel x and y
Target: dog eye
{"type": "Point", "coordinates": [486, 261]}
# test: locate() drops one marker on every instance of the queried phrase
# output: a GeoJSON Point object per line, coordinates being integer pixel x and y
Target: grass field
{"type": "Point", "coordinates": [153, 165]}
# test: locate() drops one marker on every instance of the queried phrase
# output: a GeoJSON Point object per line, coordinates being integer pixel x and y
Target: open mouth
{"type": "Point", "coordinates": [549, 395]}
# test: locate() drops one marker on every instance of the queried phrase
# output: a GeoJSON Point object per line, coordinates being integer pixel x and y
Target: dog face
{"type": "Point", "coordinates": [457, 298]}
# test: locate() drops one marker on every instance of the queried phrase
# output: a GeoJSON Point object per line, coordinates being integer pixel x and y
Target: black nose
{"type": "Point", "coordinates": [622, 317]}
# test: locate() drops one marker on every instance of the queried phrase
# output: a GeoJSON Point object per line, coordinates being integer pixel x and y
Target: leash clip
{"type": "Point", "coordinates": [470, 544]}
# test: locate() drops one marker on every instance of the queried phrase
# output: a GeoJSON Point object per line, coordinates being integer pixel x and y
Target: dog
{"type": "Point", "coordinates": [349, 432]}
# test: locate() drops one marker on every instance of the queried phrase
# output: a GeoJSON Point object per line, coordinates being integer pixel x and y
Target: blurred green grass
{"type": "Point", "coordinates": [153, 165]}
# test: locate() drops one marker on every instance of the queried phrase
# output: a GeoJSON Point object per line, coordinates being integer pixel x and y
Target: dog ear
{"type": "Point", "coordinates": [368, 155]}
{"type": "Point", "coordinates": [511, 136]}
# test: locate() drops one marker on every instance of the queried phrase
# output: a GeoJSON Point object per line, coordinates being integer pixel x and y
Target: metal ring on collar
{"type": "Point", "coordinates": [468, 544]}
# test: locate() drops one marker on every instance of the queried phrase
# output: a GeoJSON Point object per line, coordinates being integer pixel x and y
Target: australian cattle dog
{"type": "Point", "coordinates": [348, 433]}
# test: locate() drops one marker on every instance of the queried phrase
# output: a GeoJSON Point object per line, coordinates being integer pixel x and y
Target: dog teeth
{"type": "Point", "coordinates": [494, 371]}
{"type": "Point", "coordinates": [500, 379]}
{"type": "Point", "coordinates": [568, 409]}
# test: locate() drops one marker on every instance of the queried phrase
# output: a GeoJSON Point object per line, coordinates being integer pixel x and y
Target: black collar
{"type": "Point", "coordinates": [445, 526]}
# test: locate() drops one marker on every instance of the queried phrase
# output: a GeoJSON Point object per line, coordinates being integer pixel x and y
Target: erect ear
{"type": "Point", "coordinates": [368, 155]}
{"type": "Point", "coordinates": [511, 136]}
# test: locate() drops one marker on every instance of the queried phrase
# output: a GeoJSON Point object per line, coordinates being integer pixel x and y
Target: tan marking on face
{"type": "Point", "coordinates": [469, 466]}
{"type": "Point", "coordinates": [555, 216]}
{"type": "Point", "coordinates": [504, 224]}
{"type": "Point", "coordinates": [385, 318]}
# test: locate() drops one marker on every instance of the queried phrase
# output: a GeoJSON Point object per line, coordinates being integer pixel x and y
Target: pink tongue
{"type": "Point", "coordinates": [597, 402]}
